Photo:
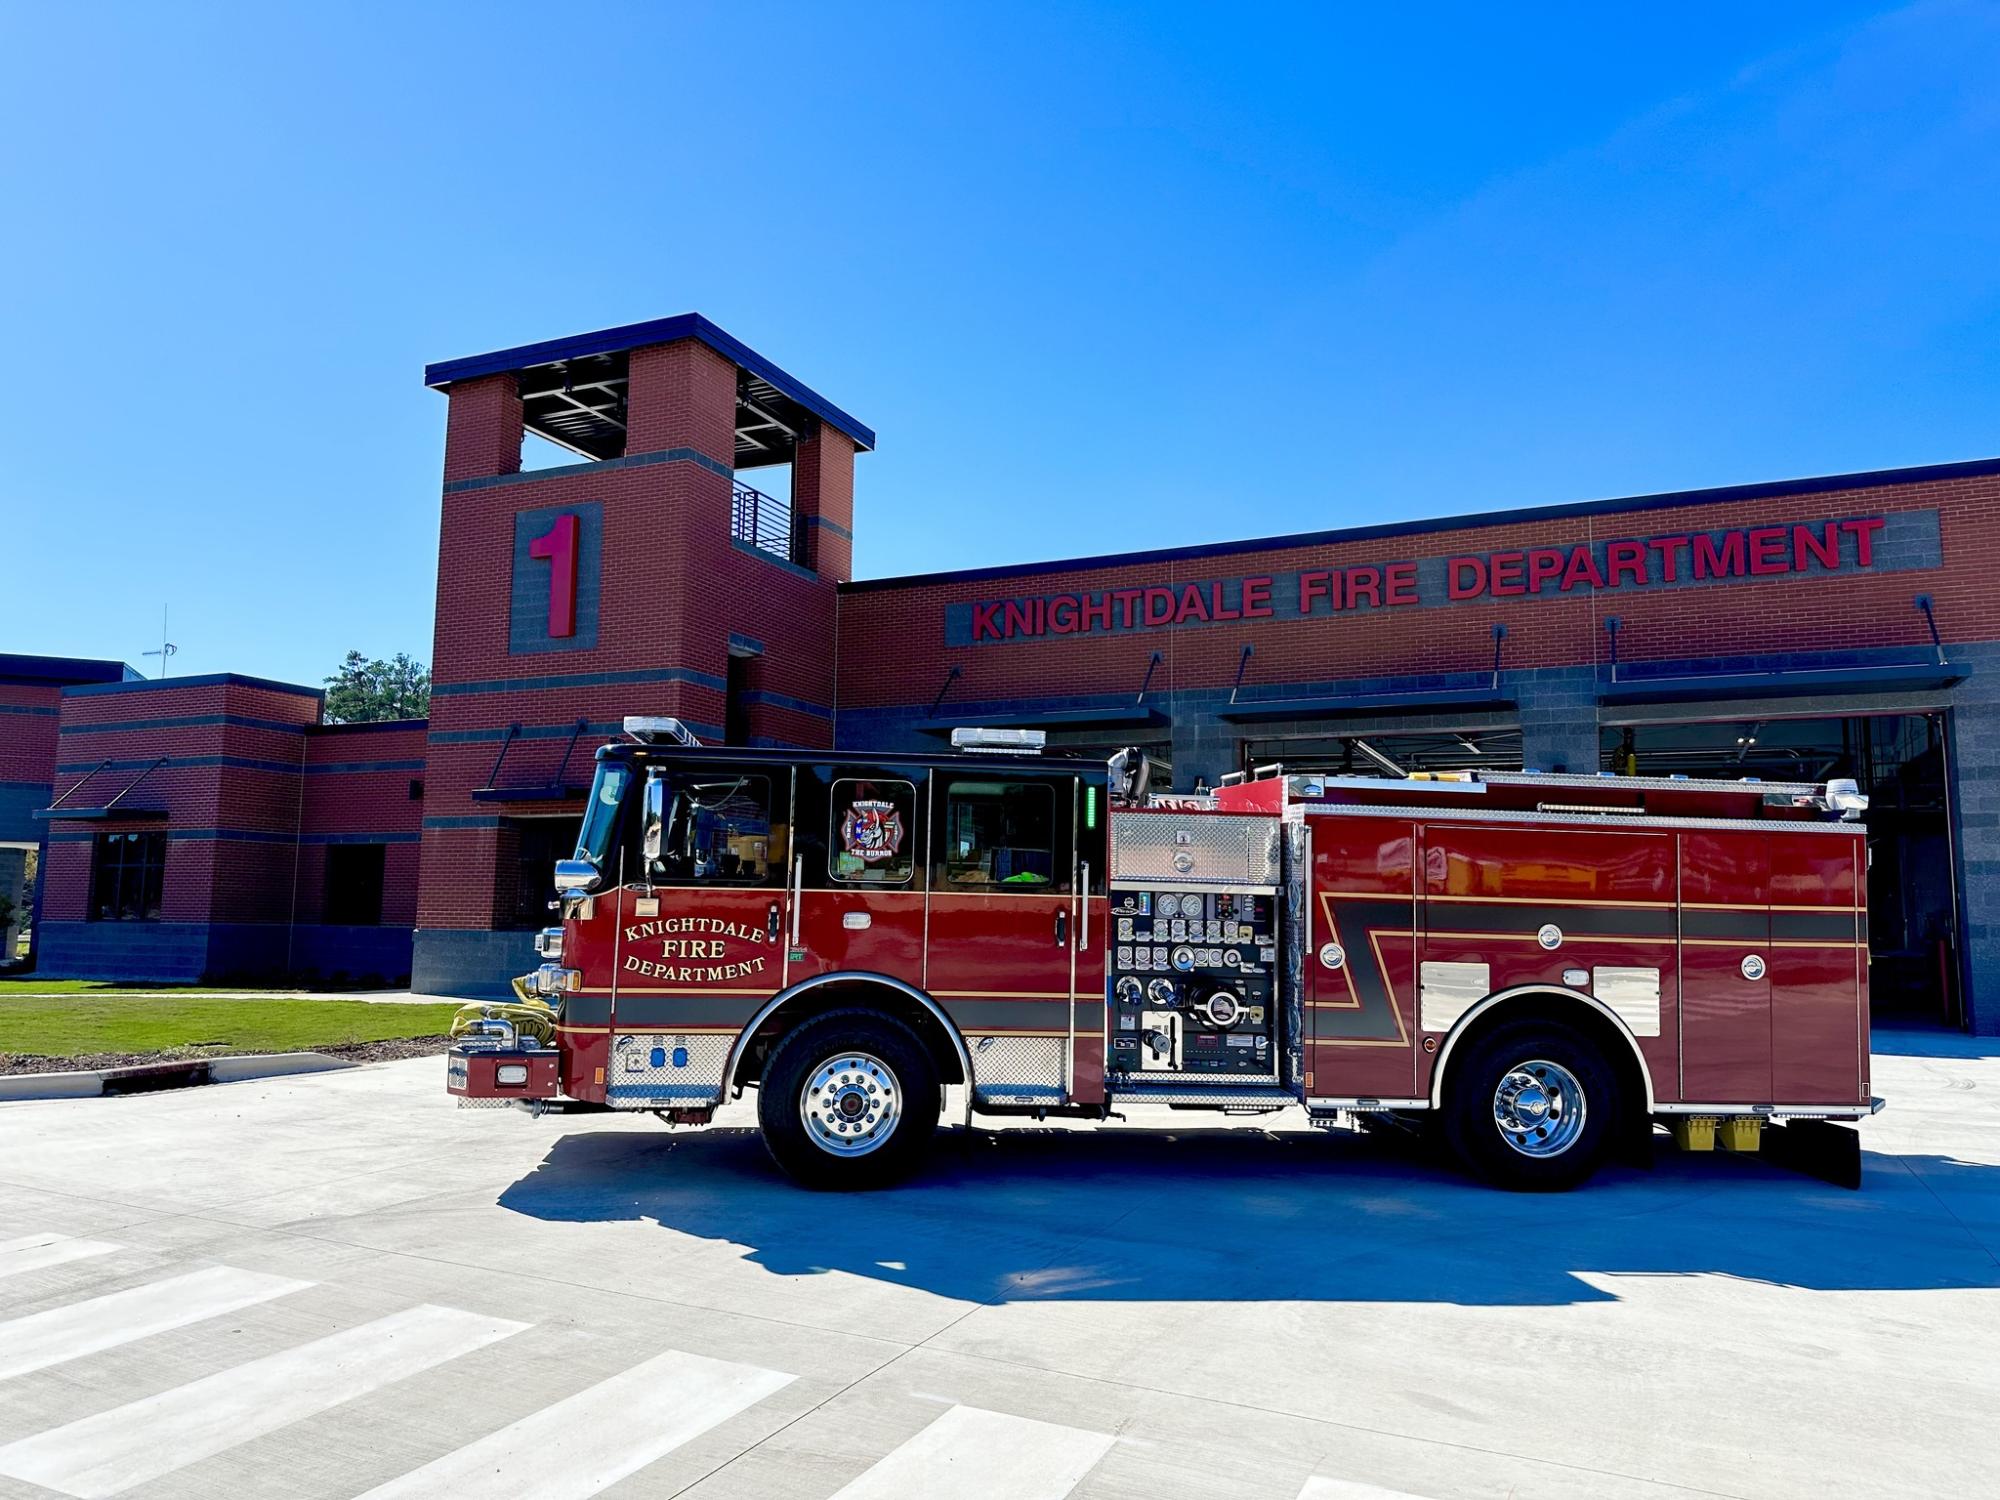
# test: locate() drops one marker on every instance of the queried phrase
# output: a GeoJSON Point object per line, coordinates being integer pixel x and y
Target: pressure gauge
{"type": "Point", "coordinates": [1170, 904]}
{"type": "Point", "coordinates": [1130, 990]}
{"type": "Point", "coordinates": [1161, 992]}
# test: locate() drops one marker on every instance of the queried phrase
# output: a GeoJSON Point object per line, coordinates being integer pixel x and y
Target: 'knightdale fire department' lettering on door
{"type": "Point", "coordinates": [693, 950]}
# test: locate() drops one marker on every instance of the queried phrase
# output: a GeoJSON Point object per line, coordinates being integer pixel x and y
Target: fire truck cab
{"type": "Point", "coordinates": [1542, 966]}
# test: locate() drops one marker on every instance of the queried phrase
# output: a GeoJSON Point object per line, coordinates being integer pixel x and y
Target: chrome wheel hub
{"type": "Point", "coordinates": [1539, 1108]}
{"type": "Point", "coordinates": [851, 1104]}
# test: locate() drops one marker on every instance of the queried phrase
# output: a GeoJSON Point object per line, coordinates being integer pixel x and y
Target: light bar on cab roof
{"type": "Point", "coordinates": [649, 729]}
{"type": "Point", "coordinates": [1000, 741]}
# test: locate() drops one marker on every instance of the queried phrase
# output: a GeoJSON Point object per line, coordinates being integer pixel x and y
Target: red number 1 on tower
{"type": "Point", "coordinates": [558, 546]}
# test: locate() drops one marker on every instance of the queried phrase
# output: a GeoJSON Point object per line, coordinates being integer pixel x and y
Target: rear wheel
{"type": "Point", "coordinates": [1532, 1108]}
{"type": "Point", "coordinates": [848, 1100]}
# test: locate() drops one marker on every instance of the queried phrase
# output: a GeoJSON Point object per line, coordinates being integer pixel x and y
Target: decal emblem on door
{"type": "Point", "coordinates": [872, 831]}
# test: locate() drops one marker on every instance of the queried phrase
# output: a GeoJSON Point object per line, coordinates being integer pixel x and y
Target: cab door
{"type": "Point", "coordinates": [1005, 918]}
{"type": "Point", "coordinates": [699, 936]}
{"type": "Point", "coordinates": [858, 875]}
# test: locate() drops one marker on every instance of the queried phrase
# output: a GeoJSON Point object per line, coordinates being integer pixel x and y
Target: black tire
{"type": "Point", "coordinates": [886, 1063]}
{"type": "Point", "coordinates": [1544, 1054]}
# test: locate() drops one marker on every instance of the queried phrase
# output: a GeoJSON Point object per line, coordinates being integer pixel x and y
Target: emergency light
{"type": "Point", "coordinates": [650, 729]}
{"type": "Point", "coordinates": [1000, 741]}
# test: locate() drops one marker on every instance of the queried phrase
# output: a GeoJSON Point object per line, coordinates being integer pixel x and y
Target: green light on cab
{"type": "Point", "coordinates": [1090, 807]}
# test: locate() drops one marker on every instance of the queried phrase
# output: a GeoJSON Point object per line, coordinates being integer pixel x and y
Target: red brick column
{"type": "Point", "coordinates": [681, 395]}
{"type": "Point", "coordinates": [482, 434]}
{"type": "Point", "coordinates": [823, 499]}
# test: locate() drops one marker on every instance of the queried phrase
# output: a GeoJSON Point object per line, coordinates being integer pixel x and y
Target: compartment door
{"type": "Point", "coordinates": [1361, 966]}
{"type": "Point", "coordinates": [1818, 956]}
{"type": "Point", "coordinates": [1725, 968]}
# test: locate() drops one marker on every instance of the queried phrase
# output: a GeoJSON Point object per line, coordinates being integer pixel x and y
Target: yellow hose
{"type": "Point", "coordinates": [531, 1016]}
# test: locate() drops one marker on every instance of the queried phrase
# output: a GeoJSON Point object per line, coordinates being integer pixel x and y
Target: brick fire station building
{"type": "Point", "coordinates": [214, 827]}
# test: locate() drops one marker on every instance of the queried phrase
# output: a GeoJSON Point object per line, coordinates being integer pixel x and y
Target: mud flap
{"type": "Point", "coordinates": [1816, 1148]}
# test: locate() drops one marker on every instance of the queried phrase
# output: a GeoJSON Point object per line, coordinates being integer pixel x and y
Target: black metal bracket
{"type": "Point", "coordinates": [562, 767]}
{"type": "Point", "coordinates": [1147, 680]}
{"type": "Point", "coordinates": [80, 785]}
{"type": "Point", "coordinates": [1611, 624]}
{"type": "Point", "coordinates": [1923, 602]}
{"type": "Point", "coordinates": [499, 760]}
{"type": "Point", "coordinates": [951, 675]}
{"type": "Point", "coordinates": [1499, 635]}
{"type": "Point", "coordinates": [134, 782]}
{"type": "Point", "coordinates": [1241, 662]}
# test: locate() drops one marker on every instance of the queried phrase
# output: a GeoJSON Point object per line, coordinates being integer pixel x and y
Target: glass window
{"type": "Point", "coordinates": [354, 879]}
{"type": "Point", "coordinates": [870, 839]}
{"type": "Point", "coordinates": [537, 844]}
{"type": "Point", "coordinates": [714, 829]}
{"type": "Point", "coordinates": [126, 877]}
{"type": "Point", "coordinates": [600, 818]}
{"type": "Point", "coordinates": [1001, 833]}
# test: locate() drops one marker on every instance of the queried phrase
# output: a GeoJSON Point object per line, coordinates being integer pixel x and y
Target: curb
{"type": "Point", "coordinates": [148, 1078]}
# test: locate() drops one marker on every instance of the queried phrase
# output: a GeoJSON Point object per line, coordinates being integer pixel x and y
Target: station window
{"type": "Point", "coordinates": [869, 843]}
{"type": "Point", "coordinates": [126, 877]}
{"type": "Point", "coordinates": [1001, 833]}
{"type": "Point", "coordinates": [711, 829]}
{"type": "Point", "coordinates": [535, 845]}
{"type": "Point", "coordinates": [355, 875]}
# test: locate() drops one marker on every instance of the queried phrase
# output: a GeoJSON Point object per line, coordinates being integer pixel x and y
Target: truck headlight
{"type": "Point", "coordinates": [549, 943]}
{"type": "Point", "coordinates": [554, 979]}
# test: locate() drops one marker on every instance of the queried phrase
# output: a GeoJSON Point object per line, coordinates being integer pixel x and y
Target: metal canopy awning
{"type": "Point", "coordinates": [555, 788]}
{"type": "Point", "coordinates": [109, 812]}
{"type": "Point", "coordinates": [1688, 687]}
{"type": "Point", "coordinates": [1339, 705]}
{"type": "Point", "coordinates": [113, 809]}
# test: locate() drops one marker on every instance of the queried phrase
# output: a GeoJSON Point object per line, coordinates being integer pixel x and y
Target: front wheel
{"type": "Point", "coordinates": [1532, 1108]}
{"type": "Point", "coordinates": [848, 1100]}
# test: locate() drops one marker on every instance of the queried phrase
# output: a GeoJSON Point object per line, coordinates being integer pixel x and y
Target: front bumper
{"type": "Point", "coordinates": [481, 1074]}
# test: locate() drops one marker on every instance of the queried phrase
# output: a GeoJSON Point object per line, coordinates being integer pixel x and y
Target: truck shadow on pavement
{"type": "Point", "coordinates": [1244, 1216]}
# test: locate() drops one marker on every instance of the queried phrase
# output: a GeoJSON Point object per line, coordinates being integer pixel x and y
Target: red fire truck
{"type": "Point", "coordinates": [1540, 967]}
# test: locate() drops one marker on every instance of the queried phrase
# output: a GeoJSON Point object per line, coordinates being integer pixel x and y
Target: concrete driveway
{"type": "Point", "coordinates": [340, 1284]}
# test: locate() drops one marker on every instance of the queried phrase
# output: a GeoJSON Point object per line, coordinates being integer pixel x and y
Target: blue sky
{"type": "Point", "coordinates": [1099, 277]}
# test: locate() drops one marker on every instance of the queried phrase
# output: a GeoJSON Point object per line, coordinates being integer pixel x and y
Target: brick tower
{"type": "Point", "coordinates": [646, 577]}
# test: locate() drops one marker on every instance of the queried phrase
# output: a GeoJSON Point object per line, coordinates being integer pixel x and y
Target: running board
{"type": "Point", "coordinates": [1219, 1098]}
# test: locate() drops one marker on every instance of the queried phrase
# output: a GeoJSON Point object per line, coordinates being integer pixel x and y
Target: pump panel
{"type": "Point", "coordinates": [1193, 990]}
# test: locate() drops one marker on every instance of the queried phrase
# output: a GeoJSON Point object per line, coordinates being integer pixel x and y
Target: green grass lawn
{"type": "Point", "coordinates": [82, 1025]}
{"type": "Point", "coordinates": [29, 984]}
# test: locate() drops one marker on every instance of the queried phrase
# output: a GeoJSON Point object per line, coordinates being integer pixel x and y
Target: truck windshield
{"type": "Point", "coordinates": [600, 819]}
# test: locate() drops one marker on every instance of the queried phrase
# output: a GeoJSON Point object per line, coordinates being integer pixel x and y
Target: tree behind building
{"type": "Point", "coordinates": [367, 692]}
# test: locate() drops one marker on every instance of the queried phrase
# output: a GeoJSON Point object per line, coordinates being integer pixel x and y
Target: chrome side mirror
{"type": "Point", "coordinates": [577, 877]}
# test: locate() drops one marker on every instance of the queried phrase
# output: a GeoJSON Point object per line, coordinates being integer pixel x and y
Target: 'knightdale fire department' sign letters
{"type": "Point", "coordinates": [1821, 547]}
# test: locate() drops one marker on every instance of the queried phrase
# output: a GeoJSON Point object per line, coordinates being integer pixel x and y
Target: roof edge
{"type": "Point", "coordinates": [210, 679]}
{"type": "Point", "coordinates": [1818, 485]}
{"type": "Point", "coordinates": [638, 335]}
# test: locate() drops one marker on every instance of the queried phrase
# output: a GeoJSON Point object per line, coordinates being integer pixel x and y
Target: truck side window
{"type": "Point", "coordinates": [711, 829]}
{"type": "Point", "coordinates": [869, 841]}
{"type": "Point", "coordinates": [1002, 833]}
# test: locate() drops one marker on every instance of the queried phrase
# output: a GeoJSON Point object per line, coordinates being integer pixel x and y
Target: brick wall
{"type": "Point", "coordinates": [1851, 610]}
{"type": "Point", "coordinates": [217, 763]}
